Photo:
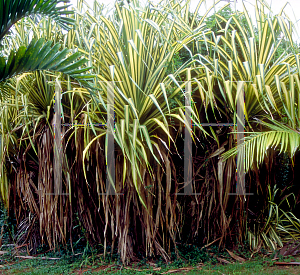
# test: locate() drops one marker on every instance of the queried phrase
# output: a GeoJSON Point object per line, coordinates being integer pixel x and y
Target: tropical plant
{"type": "Point", "coordinates": [19, 54]}
{"type": "Point", "coordinates": [273, 225]}
{"type": "Point", "coordinates": [144, 133]}
{"type": "Point", "coordinates": [271, 86]}
{"type": "Point", "coordinates": [146, 55]}
{"type": "Point", "coordinates": [134, 51]}
{"type": "Point", "coordinates": [17, 58]}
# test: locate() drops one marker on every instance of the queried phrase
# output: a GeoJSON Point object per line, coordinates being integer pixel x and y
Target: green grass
{"type": "Point", "coordinates": [76, 265]}
{"type": "Point", "coordinates": [202, 261]}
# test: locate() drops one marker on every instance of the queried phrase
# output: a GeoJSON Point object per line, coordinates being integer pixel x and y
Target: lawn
{"type": "Point", "coordinates": [78, 265]}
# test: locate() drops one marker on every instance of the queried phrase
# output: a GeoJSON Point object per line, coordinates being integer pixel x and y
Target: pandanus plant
{"type": "Point", "coordinates": [134, 50]}
{"type": "Point", "coordinates": [255, 57]}
{"type": "Point", "coordinates": [267, 66]}
{"type": "Point", "coordinates": [19, 56]}
{"type": "Point", "coordinates": [38, 55]}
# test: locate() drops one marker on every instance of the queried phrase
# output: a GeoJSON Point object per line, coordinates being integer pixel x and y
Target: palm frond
{"type": "Point", "coordinates": [14, 10]}
{"type": "Point", "coordinates": [41, 56]}
{"type": "Point", "coordinates": [255, 146]}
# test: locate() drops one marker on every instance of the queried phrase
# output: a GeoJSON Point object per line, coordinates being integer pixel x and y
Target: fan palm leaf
{"type": "Point", "coordinates": [38, 55]}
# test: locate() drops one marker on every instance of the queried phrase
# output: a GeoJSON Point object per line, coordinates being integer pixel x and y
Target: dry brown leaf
{"type": "Point", "coordinates": [178, 270]}
{"type": "Point", "coordinates": [236, 257]}
{"type": "Point", "coordinates": [146, 269]}
{"type": "Point", "coordinates": [223, 260]}
{"type": "Point", "coordinates": [284, 263]}
{"type": "Point", "coordinates": [100, 268]}
{"type": "Point", "coordinates": [290, 248]}
{"type": "Point", "coordinates": [38, 258]}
